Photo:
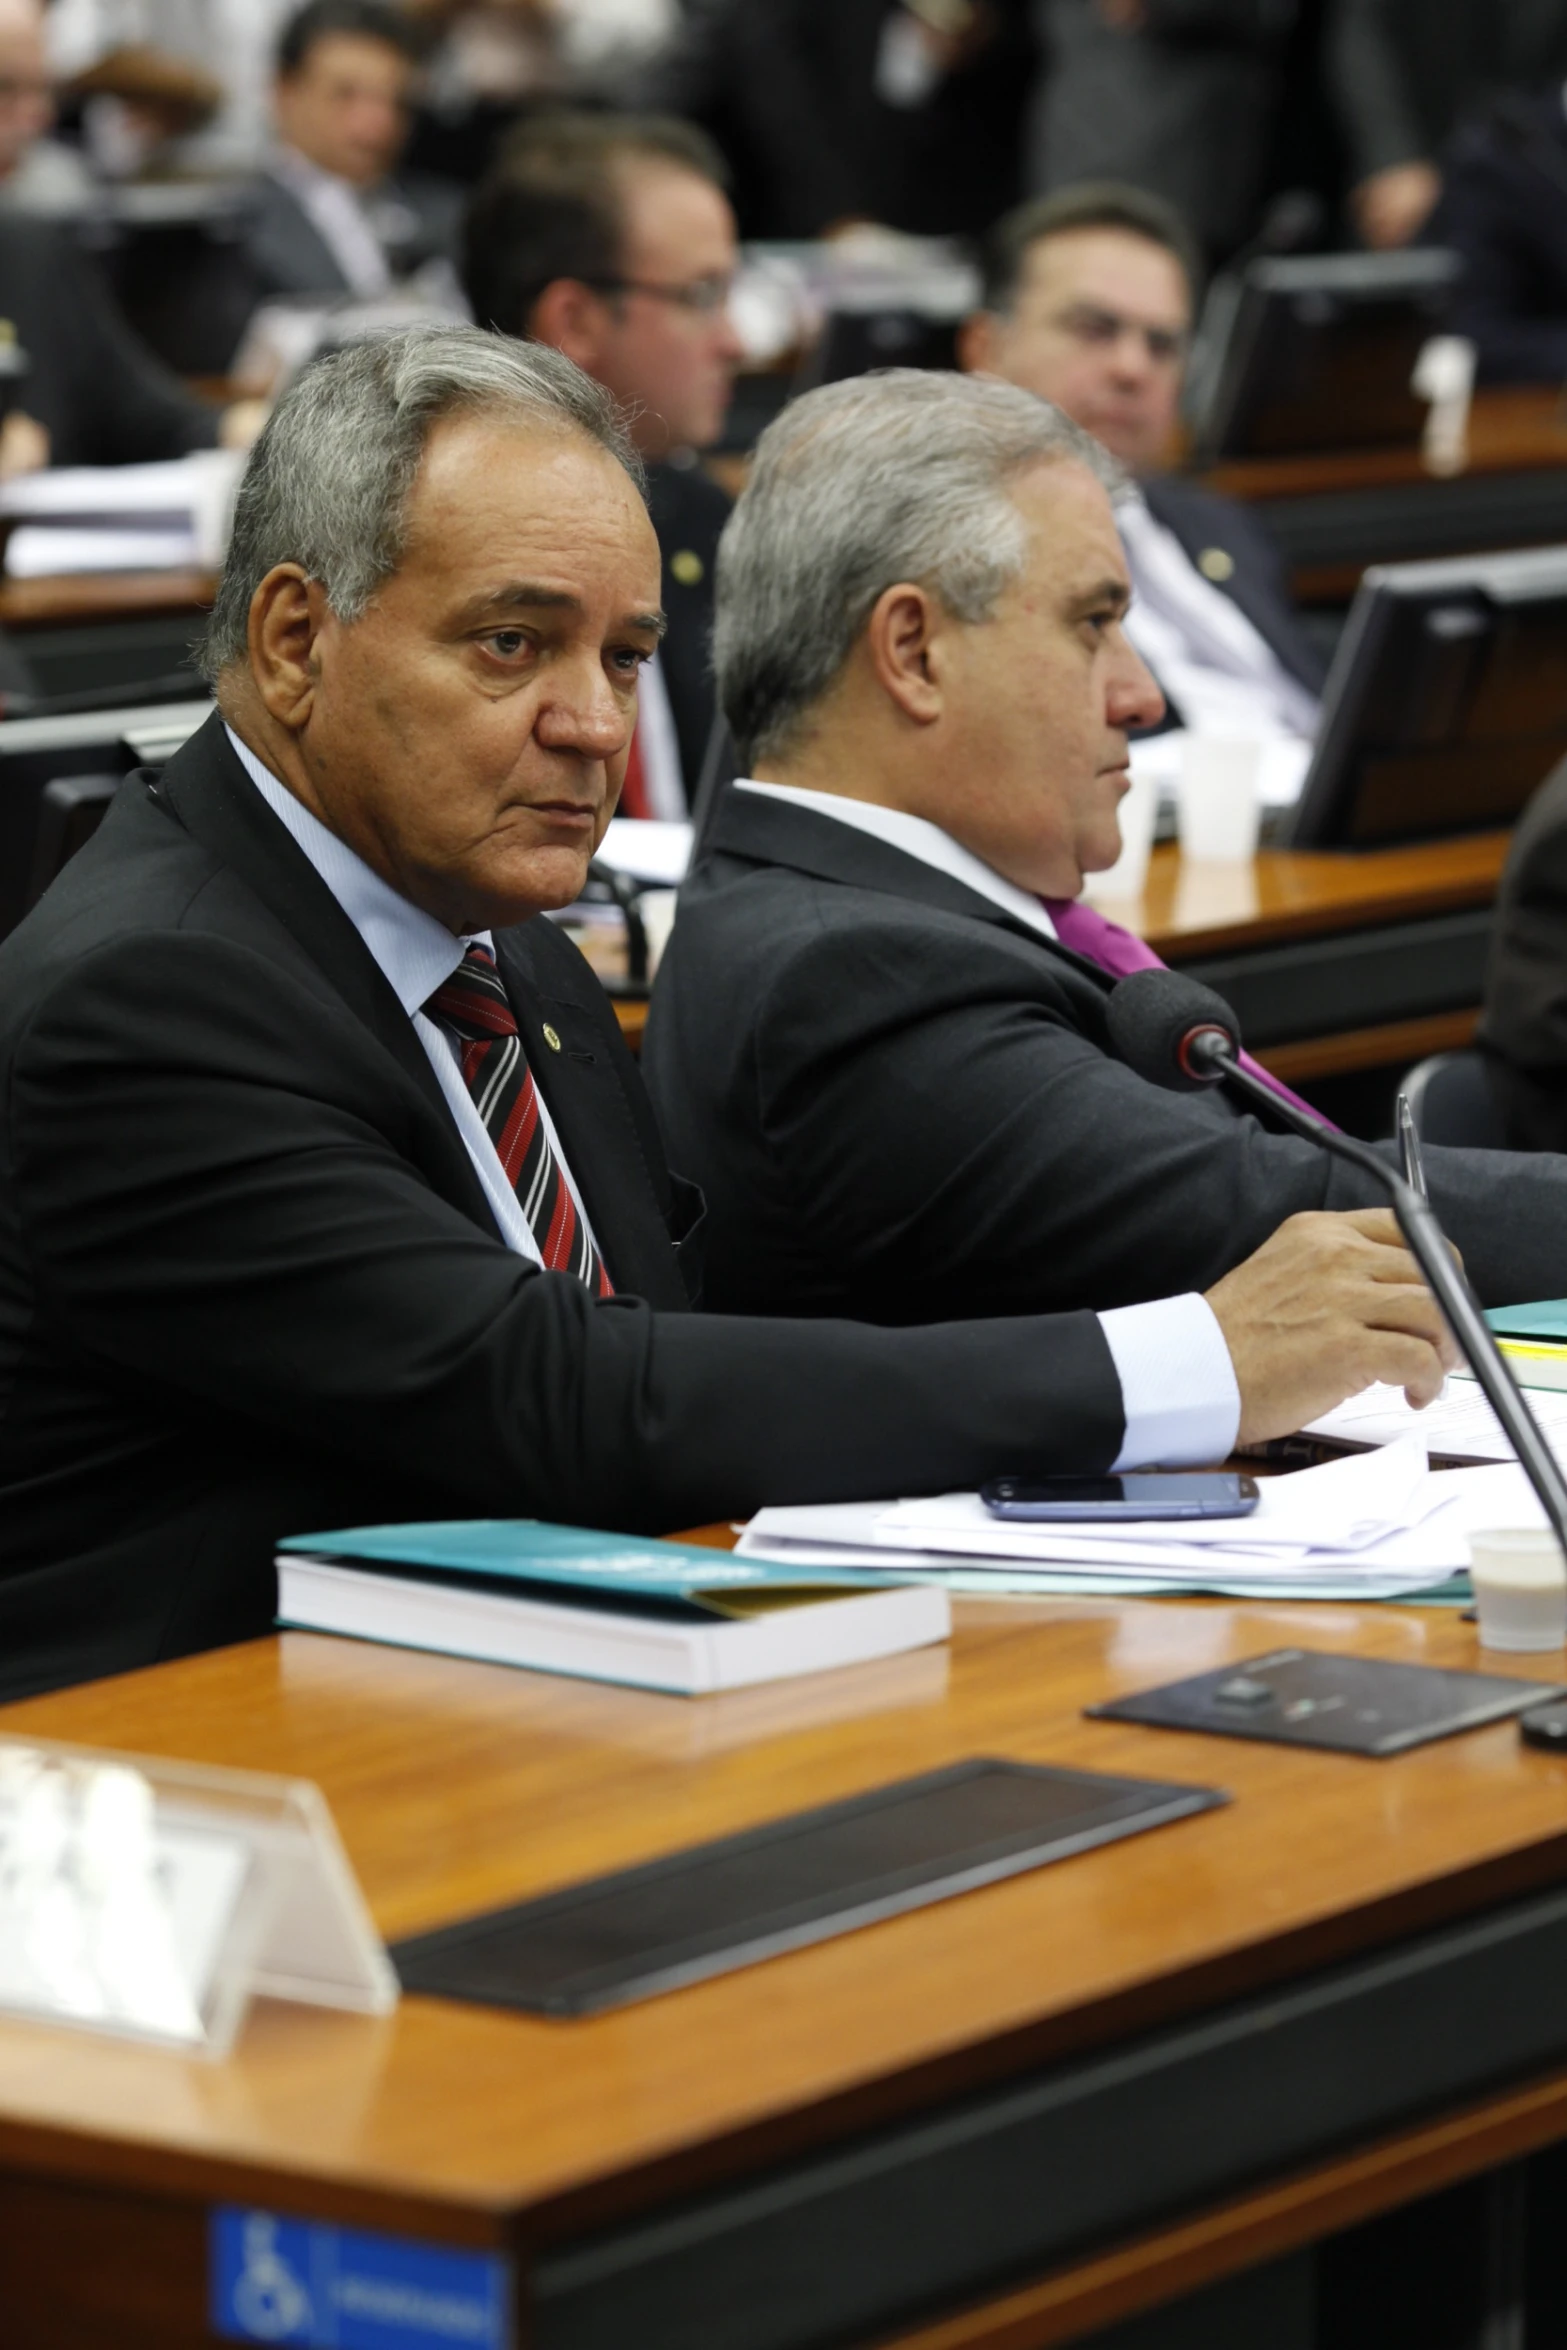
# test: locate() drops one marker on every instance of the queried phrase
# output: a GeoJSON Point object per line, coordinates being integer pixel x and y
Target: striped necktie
{"type": "Point", "coordinates": [474, 1005]}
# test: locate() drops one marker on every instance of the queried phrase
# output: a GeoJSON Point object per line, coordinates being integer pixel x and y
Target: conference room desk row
{"type": "Point", "coordinates": [1337, 965]}
{"type": "Point", "coordinates": [1212, 2085]}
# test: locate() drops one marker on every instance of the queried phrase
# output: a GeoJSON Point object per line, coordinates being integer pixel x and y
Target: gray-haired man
{"type": "Point", "coordinates": [879, 1038]}
{"type": "Point", "coordinates": [327, 1191]}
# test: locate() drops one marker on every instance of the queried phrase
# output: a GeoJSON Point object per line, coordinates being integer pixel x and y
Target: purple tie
{"type": "Point", "coordinates": [1120, 952]}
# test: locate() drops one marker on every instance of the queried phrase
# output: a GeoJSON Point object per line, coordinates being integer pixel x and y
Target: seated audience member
{"type": "Point", "coordinates": [93, 392]}
{"type": "Point", "coordinates": [1088, 302]}
{"type": "Point", "coordinates": [1523, 1028]}
{"type": "Point", "coordinates": [612, 238]}
{"type": "Point", "coordinates": [1504, 210]}
{"type": "Point", "coordinates": [328, 1191]}
{"type": "Point", "coordinates": [328, 216]}
{"type": "Point", "coordinates": [879, 1036]}
{"type": "Point", "coordinates": [37, 173]}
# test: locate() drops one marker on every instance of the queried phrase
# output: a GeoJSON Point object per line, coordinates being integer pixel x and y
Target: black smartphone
{"type": "Point", "coordinates": [1138, 1493]}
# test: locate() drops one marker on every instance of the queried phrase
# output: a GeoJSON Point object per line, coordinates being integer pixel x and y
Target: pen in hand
{"type": "Point", "coordinates": [1409, 1150]}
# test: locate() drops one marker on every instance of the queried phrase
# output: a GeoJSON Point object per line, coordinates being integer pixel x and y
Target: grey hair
{"type": "Point", "coordinates": [328, 481]}
{"type": "Point", "coordinates": [899, 476]}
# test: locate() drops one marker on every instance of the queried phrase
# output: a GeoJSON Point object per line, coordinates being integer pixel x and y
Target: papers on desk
{"type": "Point", "coordinates": [165, 517]}
{"type": "Point", "coordinates": [1459, 1426]}
{"type": "Point", "coordinates": [1281, 770]}
{"type": "Point", "coordinates": [646, 850]}
{"type": "Point", "coordinates": [1376, 1525]}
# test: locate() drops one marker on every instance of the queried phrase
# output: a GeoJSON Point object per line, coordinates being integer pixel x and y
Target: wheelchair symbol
{"type": "Point", "coordinates": [270, 2301]}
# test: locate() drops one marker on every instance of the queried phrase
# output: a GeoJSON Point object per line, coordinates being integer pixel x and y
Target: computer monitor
{"type": "Point", "coordinates": [34, 752]}
{"type": "Point", "coordinates": [1315, 351]}
{"type": "Point", "coordinates": [1446, 705]}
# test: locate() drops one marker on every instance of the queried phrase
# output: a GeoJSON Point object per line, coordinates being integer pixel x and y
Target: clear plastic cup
{"type": "Point", "coordinates": [1219, 805]}
{"type": "Point", "coordinates": [1520, 1587]}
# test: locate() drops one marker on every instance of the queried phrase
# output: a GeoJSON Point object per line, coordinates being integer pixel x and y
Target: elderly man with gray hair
{"type": "Point", "coordinates": [327, 1190]}
{"type": "Point", "coordinates": [879, 1038]}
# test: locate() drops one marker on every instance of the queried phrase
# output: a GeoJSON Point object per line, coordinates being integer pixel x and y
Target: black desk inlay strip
{"type": "Point", "coordinates": [1353, 979]}
{"type": "Point", "coordinates": [871, 2234]}
{"type": "Point", "coordinates": [722, 1905]}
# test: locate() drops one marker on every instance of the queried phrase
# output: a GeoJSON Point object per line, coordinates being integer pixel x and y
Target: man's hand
{"type": "Point", "coordinates": [1325, 1307]}
{"type": "Point", "coordinates": [1393, 206]}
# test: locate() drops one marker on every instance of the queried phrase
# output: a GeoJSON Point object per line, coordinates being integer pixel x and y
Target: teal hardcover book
{"type": "Point", "coordinates": [610, 1607]}
{"type": "Point", "coordinates": [1546, 1320]}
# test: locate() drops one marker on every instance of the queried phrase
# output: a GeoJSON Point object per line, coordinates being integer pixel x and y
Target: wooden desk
{"type": "Point", "coordinates": [864, 2136]}
{"type": "Point", "coordinates": [1333, 963]}
{"type": "Point", "coordinates": [1338, 511]}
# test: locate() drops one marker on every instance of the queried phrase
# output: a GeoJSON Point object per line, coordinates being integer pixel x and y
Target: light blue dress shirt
{"type": "Point", "coordinates": [1178, 1387]}
{"type": "Point", "coordinates": [416, 955]}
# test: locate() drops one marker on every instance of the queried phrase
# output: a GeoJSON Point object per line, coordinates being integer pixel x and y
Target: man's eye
{"type": "Point", "coordinates": [628, 659]}
{"type": "Point", "coordinates": [506, 642]}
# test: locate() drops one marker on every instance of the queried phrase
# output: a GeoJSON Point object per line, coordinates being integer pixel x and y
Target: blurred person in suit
{"type": "Point", "coordinates": [1504, 209]}
{"type": "Point", "coordinates": [612, 238]}
{"type": "Point", "coordinates": [329, 216]}
{"type": "Point", "coordinates": [1523, 1024]}
{"type": "Point", "coordinates": [1087, 300]}
{"type": "Point", "coordinates": [1405, 73]}
{"type": "Point", "coordinates": [879, 1036]}
{"type": "Point", "coordinates": [1176, 96]}
{"type": "Point", "coordinates": [328, 1190]}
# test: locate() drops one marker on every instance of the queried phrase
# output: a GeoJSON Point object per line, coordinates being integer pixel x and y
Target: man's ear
{"type": "Point", "coordinates": [286, 615]}
{"type": "Point", "coordinates": [978, 343]}
{"type": "Point", "coordinates": [900, 643]}
{"type": "Point", "coordinates": [573, 318]}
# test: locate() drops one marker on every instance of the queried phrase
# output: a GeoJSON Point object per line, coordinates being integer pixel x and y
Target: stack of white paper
{"type": "Point", "coordinates": [1459, 1426]}
{"type": "Point", "coordinates": [1376, 1525]}
{"type": "Point", "coordinates": [169, 516]}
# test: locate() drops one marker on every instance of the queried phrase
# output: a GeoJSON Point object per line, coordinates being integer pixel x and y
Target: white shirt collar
{"type": "Point", "coordinates": [916, 837]}
{"type": "Point", "coordinates": [414, 951]}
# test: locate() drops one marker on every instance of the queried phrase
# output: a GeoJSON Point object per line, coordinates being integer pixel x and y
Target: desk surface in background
{"type": "Point", "coordinates": [460, 1786]}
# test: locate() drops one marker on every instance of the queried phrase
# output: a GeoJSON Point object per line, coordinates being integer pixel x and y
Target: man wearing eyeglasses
{"type": "Point", "coordinates": [612, 238]}
{"type": "Point", "coordinates": [1088, 302]}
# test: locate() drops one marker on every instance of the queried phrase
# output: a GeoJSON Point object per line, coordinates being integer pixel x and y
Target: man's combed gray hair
{"type": "Point", "coordinates": [328, 481]}
{"type": "Point", "coordinates": [899, 476]}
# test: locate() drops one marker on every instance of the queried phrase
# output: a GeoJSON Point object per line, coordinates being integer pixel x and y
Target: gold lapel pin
{"type": "Point", "coordinates": [1217, 564]}
{"type": "Point", "coordinates": [687, 567]}
{"type": "Point", "coordinates": [550, 1038]}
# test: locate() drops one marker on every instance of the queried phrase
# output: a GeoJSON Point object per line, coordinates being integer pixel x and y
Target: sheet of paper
{"type": "Point", "coordinates": [1460, 1425]}
{"type": "Point", "coordinates": [40, 550]}
{"type": "Point", "coordinates": [1280, 776]}
{"type": "Point", "coordinates": [646, 850]}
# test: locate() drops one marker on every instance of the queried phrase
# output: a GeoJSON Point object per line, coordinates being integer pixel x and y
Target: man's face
{"type": "Point", "coordinates": [665, 345]}
{"type": "Point", "coordinates": [468, 735]}
{"type": "Point", "coordinates": [26, 99]}
{"type": "Point", "coordinates": [1100, 326]}
{"type": "Point", "coordinates": [346, 109]}
{"type": "Point", "coordinates": [1038, 698]}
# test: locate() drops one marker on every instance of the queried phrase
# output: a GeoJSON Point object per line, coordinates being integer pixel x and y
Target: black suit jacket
{"type": "Point", "coordinates": [904, 1105]}
{"type": "Point", "coordinates": [283, 252]}
{"type": "Point", "coordinates": [1257, 582]}
{"type": "Point", "coordinates": [103, 396]}
{"type": "Point", "coordinates": [1523, 1027]}
{"type": "Point", "coordinates": [249, 1283]}
{"type": "Point", "coordinates": [1504, 209]}
{"type": "Point", "coordinates": [688, 511]}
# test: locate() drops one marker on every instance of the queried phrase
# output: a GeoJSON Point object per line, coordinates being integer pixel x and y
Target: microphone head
{"type": "Point", "coordinates": [1157, 1016]}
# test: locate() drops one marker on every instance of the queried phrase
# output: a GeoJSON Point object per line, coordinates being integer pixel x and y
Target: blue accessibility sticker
{"type": "Point", "coordinates": [295, 2280]}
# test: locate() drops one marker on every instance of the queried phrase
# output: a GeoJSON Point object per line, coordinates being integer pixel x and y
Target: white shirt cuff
{"type": "Point", "coordinates": [1178, 1390]}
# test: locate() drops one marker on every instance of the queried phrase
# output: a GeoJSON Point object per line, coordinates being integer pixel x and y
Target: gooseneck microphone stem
{"type": "Point", "coordinates": [1428, 1247]}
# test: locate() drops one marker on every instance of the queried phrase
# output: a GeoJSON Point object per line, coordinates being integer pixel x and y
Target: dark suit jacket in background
{"type": "Point", "coordinates": [93, 383]}
{"type": "Point", "coordinates": [689, 511]}
{"type": "Point", "coordinates": [283, 252]}
{"type": "Point", "coordinates": [903, 1105]}
{"type": "Point", "coordinates": [1205, 523]}
{"type": "Point", "coordinates": [1523, 1027]}
{"type": "Point", "coordinates": [250, 1284]}
{"type": "Point", "coordinates": [1504, 210]}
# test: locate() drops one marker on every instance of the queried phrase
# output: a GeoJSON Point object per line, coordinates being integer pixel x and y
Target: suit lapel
{"type": "Point", "coordinates": [209, 793]}
{"type": "Point", "coordinates": [776, 832]}
{"type": "Point", "coordinates": [563, 1036]}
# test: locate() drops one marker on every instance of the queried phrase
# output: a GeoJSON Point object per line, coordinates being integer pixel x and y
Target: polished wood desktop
{"type": "Point", "coordinates": [459, 1786]}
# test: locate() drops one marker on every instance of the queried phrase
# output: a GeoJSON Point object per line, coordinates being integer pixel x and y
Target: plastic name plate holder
{"type": "Point", "coordinates": [154, 1900]}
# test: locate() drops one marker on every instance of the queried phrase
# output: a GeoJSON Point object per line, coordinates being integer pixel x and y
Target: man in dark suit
{"type": "Point", "coordinates": [327, 1189]}
{"type": "Point", "coordinates": [879, 1037]}
{"type": "Point", "coordinates": [611, 237]}
{"type": "Point", "coordinates": [328, 214]}
{"type": "Point", "coordinates": [1523, 1027]}
{"type": "Point", "coordinates": [1088, 302]}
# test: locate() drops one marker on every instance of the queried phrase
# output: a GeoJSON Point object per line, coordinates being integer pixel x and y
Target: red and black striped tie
{"type": "Point", "coordinates": [495, 1070]}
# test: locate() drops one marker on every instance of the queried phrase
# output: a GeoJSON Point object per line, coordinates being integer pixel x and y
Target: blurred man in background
{"type": "Point", "coordinates": [1088, 298]}
{"type": "Point", "coordinates": [329, 217]}
{"type": "Point", "coordinates": [612, 238]}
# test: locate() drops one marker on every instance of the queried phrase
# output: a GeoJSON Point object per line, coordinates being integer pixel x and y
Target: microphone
{"type": "Point", "coordinates": [1179, 1034]}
